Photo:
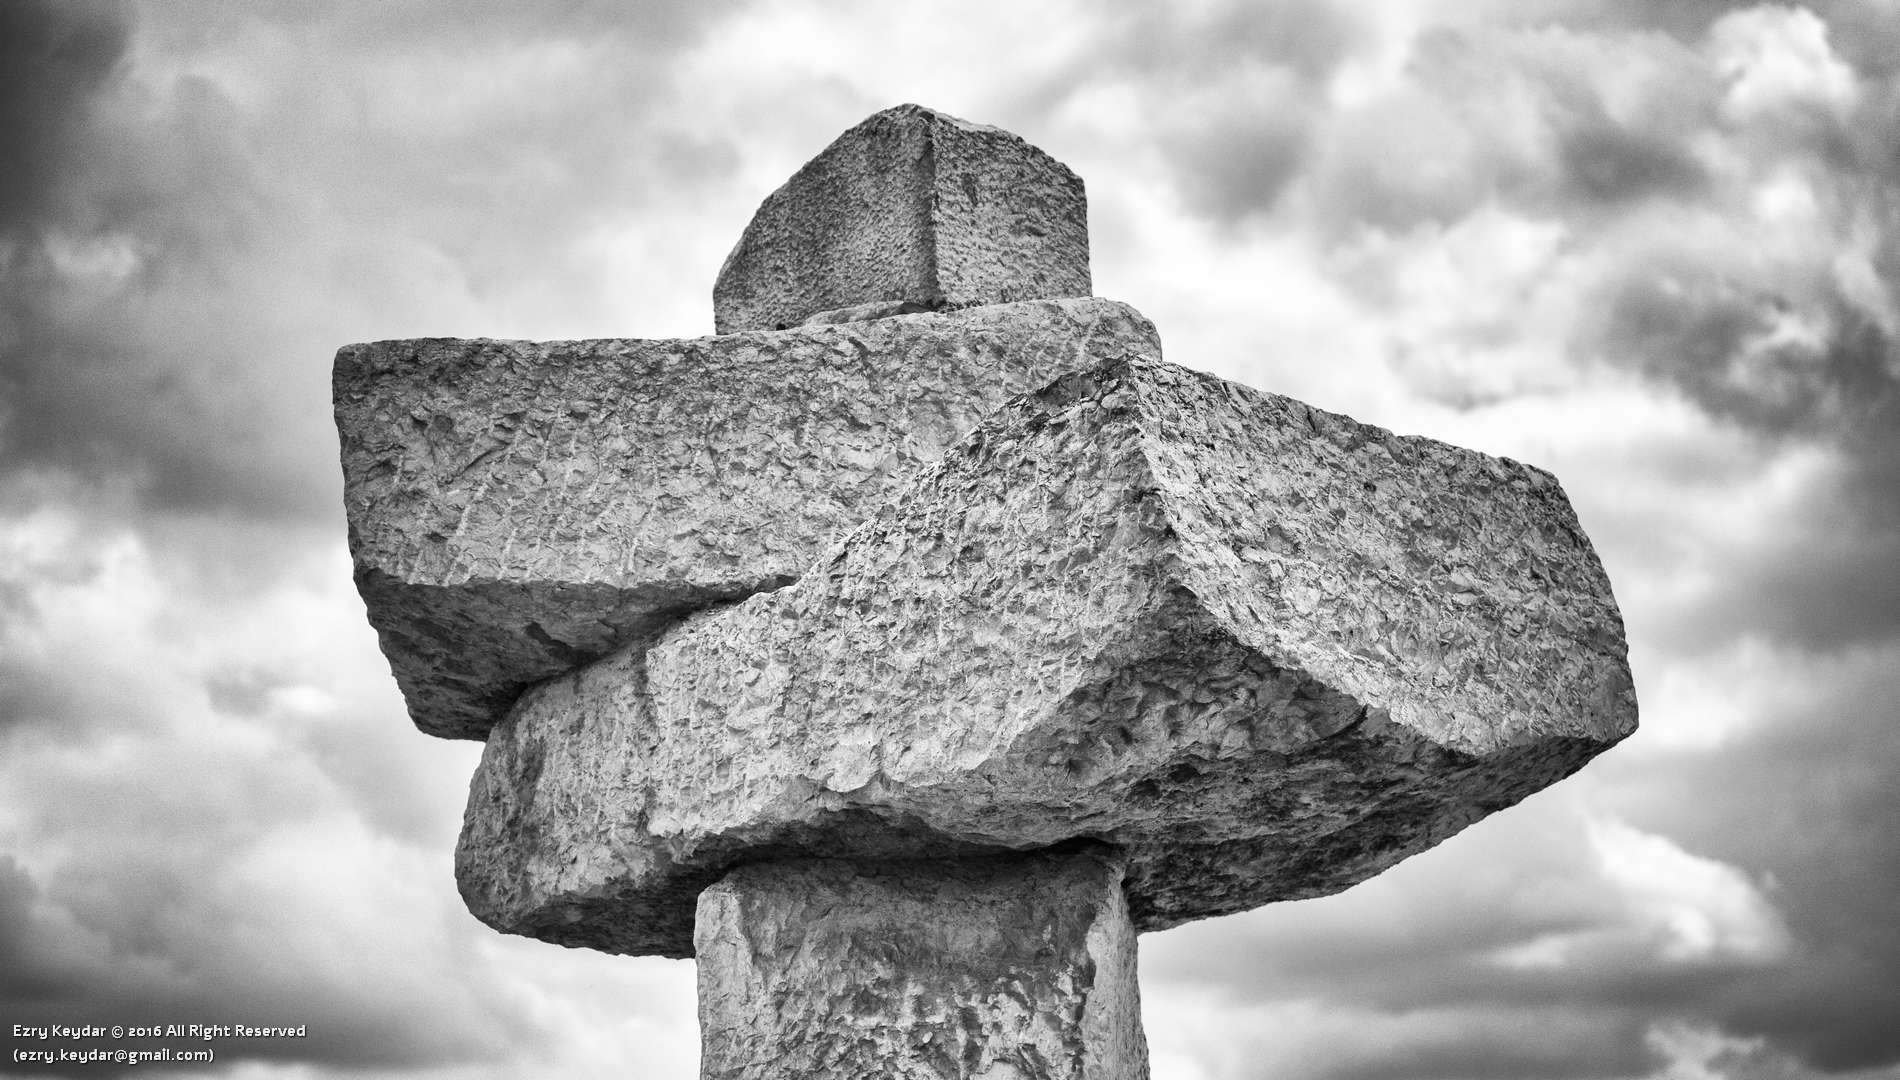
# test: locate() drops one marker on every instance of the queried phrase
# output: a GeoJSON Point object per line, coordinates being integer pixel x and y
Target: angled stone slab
{"type": "Point", "coordinates": [909, 206]}
{"type": "Point", "coordinates": [1010, 966]}
{"type": "Point", "coordinates": [1265, 650]}
{"type": "Point", "coordinates": [518, 508]}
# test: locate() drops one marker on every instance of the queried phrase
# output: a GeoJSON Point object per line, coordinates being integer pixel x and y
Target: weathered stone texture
{"type": "Point", "coordinates": [1013, 968]}
{"type": "Point", "coordinates": [909, 206]}
{"type": "Point", "coordinates": [1265, 649]}
{"type": "Point", "coordinates": [518, 508]}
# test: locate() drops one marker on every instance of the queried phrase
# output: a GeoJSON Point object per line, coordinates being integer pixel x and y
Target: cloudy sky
{"type": "Point", "coordinates": [1654, 248]}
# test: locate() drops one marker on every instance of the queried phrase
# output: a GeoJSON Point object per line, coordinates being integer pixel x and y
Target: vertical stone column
{"type": "Point", "coordinates": [1015, 967]}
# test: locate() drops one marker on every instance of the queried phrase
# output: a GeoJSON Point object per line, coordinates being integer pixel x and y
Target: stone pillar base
{"type": "Point", "coordinates": [1016, 967]}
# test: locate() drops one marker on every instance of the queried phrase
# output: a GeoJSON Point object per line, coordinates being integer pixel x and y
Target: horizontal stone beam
{"type": "Point", "coordinates": [518, 508]}
{"type": "Point", "coordinates": [909, 206]}
{"type": "Point", "coordinates": [1266, 650]}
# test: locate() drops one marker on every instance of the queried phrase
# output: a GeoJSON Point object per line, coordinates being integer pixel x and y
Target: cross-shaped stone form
{"type": "Point", "coordinates": [904, 650]}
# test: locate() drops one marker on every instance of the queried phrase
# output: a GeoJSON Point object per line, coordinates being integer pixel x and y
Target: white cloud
{"type": "Point", "coordinates": [1692, 909]}
{"type": "Point", "coordinates": [1777, 57]}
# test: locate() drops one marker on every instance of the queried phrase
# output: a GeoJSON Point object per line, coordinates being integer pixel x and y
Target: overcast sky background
{"type": "Point", "coordinates": [1653, 248]}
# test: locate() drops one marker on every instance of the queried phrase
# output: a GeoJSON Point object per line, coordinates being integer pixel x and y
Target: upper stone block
{"type": "Point", "coordinates": [910, 206]}
{"type": "Point", "coordinates": [517, 508]}
{"type": "Point", "coordinates": [1263, 649]}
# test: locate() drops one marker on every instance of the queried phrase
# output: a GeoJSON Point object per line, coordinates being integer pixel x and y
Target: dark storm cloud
{"type": "Point", "coordinates": [192, 247]}
{"type": "Point", "coordinates": [1694, 325]}
{"type": "Point", "coordinates": [243, 691]}
{"type": "Point", "coordinates": [1603, 162]}
{"type": "Point", "coordinates": [1233, 153]}
{"type": "Point", "coordinates": [1696, 314]}
{"type": "Point", "coordinates": [1825, 579]}
{"type": "Point", "coordinates": [108, 280]}
{"type": "Point", "coordinates": [24, 978]}
{"type": "Point", "coordinates": [104, 408]}
{"type": "Point", "coordinates": [1568, 1044]}
{"type": "Point", "coordinates": [374, 22]}
{"type": "Point", "coordinates": [1809, 798]}
{"type": "Point", "coordinates": [53, 57]}
{"type": "Point", "coordinates": [1684, 19]}
{"type": "Point", "coordinates": [1439, 931]}
{"type": "Point", "coordinates": [1533, 944]}
{"type": "Point", "coordinates": [1234, 164]}
{"type": "Point", "coordinates": [30, 694]}
{"type": "Point", "coordinates": [368, 754]}
{"type": "Point", "coordinates": [1242, 84]}
{"type": "Point", "coordinates": [1867, 35]}
{"type": "Point", "coordinates": [1865, 29]}
{"type": "Point", "coordinates": [1490, 118]}
{"type": "Point", "coordinates": [493, 168]}
{"type": "Point", "coordinates": [62, 394]}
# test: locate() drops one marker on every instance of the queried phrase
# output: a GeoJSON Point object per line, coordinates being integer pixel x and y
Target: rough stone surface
{"type": "Point", "coordinates": [1266, 650]}
{"type": "Point", "coordinates": [518, 508]}
{"type": "Point", "coordinates": [1013, 968]}
{"type": "Point", "coordinates": [910, 205]}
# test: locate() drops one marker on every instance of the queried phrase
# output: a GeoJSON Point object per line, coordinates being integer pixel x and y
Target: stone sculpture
{"type": "Point", "coordinates": [902, 665]}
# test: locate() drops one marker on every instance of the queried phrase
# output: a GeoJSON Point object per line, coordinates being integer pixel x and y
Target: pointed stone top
{"type": "Point", "coordinates": [910, 207]}
{"type": "Point", "coordinates": [911, 112]}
